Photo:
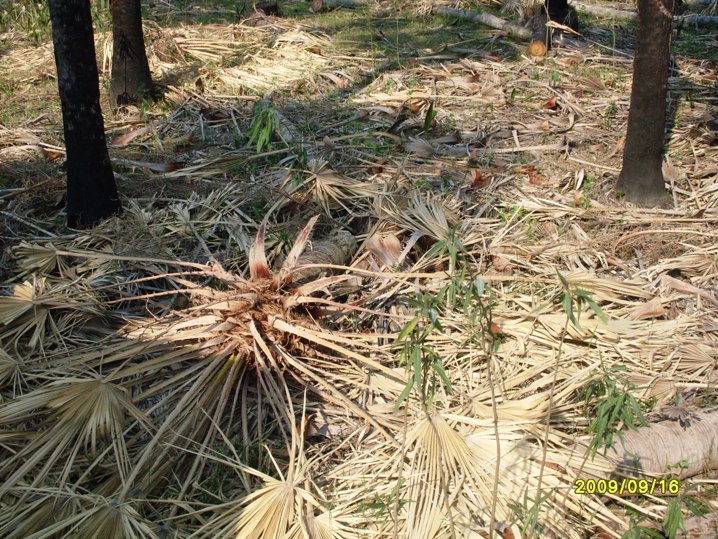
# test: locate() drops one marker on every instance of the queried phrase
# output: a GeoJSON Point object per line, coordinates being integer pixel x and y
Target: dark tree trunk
{"type": "Point", "coordinates": [91, 192]}
{"type": "Point", "coordinates": [541, 36]}
{"type": "Point", "coordinates": [641, 178]}
{"type": "Point", "coordinates": [559, 11]}
{"type": "Point", "coordinates": [131, 78]}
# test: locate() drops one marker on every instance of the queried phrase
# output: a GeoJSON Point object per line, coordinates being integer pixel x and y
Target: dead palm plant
{"type": "Point", "coordinates": [121, 416]}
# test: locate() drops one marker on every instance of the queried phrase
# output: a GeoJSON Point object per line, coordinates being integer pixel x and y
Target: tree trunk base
{"type": "Point", "coordinates": [638, 186]}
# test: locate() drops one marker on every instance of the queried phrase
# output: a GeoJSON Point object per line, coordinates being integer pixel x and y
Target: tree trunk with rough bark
{"type": "Point", "coordinates": [641, 178]}
{"type": "Point", "coordinates": [131, 78]}
{"type": "Point", "coordinates": [91, 191]}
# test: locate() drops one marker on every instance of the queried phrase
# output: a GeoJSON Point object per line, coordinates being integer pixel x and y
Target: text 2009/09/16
{"type": "Point", "coordinates": [628, 486]}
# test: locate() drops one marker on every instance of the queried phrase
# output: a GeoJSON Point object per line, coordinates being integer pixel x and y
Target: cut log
{"type": "Point", "coordinates": [558, 11]}
{"type": "Point", "coordinates": [540, 34]}
{"type": "Point", "coordinates": [337, 248]}
{"type": "Point", "coordinates": [657, 448]}
{"type": "Point", "coordinates": [486, 19]}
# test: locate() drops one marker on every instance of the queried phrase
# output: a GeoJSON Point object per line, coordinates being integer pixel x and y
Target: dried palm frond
{"type": "Point", "coordinates": [40, 510]}
{"type": "Point", "coordinates": [242, 327]}
{"type": "Point", "coordinates": [431, 215]}
{"type": "Point", "coordinates": [83, 416]}
{"type": "Point", "coordinates": [51, 513]}
{"type": "Point", "coordinates": [38, 306]}
{"type": "Point", "coordinates": [700, 263]}
{"type": "Point", "coordinates": [333, 191]}
{"type": "Point", "coordinates": [29, 65]}
{"type": "Point", "coordinates": [41, 258]}
{"type": "Point", "coordinates": [269, 512]}
{"type": "Point", "coordinates": [446, 486]}
{"type": "Point", "coordinates": [294, 56]}
{"type": "Point", "coordinates": [10, 371]}
{"type": "Point", "coordinates": [113, 520]}
{"type": "Point", "coordinates": [283, 506]}
{"type": "Point", "coordinates": [440, 463]}
{"type": "Point", "coordinates": [328, 524]}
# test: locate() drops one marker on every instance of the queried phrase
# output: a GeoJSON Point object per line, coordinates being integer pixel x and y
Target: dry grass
{"type": "Point", "coordinates": [183, 370]}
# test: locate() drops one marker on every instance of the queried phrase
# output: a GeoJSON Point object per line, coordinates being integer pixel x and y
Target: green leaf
{"type": "Point", "coordinates": [597, 309]}
{"type": "Point", "coordinates": [452, 295]}
{"type": "Point", "coordinates": [468, 300]}
{"type": "Point", "coordinates": [429, 118]}
{"type": "Point", "coordinates": [617, 409]}
{"type": "Point", "coordinates": [563, 280]}
{"type": "Point", "coordinates": [452, 251]}
{"type": "Point", "coordinates": [696, 506]}
{"type": "Point", "coordinates": [439, 368]}
{"type": "Point", "coordinates": [436, 249]}
{"type": "Point", "coordinates": [416, 355]}
{"type": "Point", "coordinates": [568, 308]}
{"type": "Point", "coordinates": [674, 519]}
{"type": "Point", "coordinates": [443, 292]}
{"type": "Point", "coordinates": [479, 286]}
{"type": "Point", "coordinates": [619, 368]}
{"type": "Point", "coordinates": [460, 246]}
{"type": "Point", "coordinates": [404, 394]}
{"type": "Point", "coordinates": [408, 329]}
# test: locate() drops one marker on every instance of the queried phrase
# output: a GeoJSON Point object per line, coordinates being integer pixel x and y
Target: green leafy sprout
{"type": "Point", "coordinates": [264, 123]}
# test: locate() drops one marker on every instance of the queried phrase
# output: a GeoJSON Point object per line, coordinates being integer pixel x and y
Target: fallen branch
{"type": "Point", "coordinates": [485, 19]}
{"type": "Point", "coordinates": [558, 146]}
{"type": "Point", "coordinates": [697, 4]}
{"type": "Point", "coordinates": [600, 11]}
{"type": "Point", "coordinates": [699, 20]}
{"type": "Point", "coordinates": [146, 165]}
{"type": "Point", "coordinates": [319, 4]}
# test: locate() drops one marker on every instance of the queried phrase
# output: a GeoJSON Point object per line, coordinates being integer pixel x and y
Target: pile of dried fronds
{"type": "Point", "coordinates": [132, 385]}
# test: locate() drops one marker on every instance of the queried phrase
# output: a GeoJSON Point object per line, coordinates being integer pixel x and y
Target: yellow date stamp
{"type": "Point", "coordinates": [627, 486]}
